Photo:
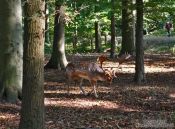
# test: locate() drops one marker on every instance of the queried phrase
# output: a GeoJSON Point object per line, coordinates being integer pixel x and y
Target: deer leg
{"type": "Point", "coordinates": [94, 84]}
{"type": "Point", "coordinates": [68, 84]}
{"type": "Point", "coordinates": [81, 88]}
{"type": "Point", "coordinates": [91, 83]}
{"type": "Point", "coordinates": [95, 92]}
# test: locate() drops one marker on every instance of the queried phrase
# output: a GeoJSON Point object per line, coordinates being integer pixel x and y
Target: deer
{"type": "Point", "coordinates": [101, 59]}
{"type": "Point", "coordinates": [73, 74]}
{"type": "Point", "coordinates": [121, 59]}
{"type": "Point", "coordinates": [93, 74]}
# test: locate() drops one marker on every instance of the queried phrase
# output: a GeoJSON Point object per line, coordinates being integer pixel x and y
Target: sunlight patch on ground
{"type": "Point", "coordinates": [130, 68]}
{"type": "Point", "coordinates": [87, 104]}
{"type": "Point", "coordinates": [172, 95]}
{"type": "Point", "coordinates": [54, 91]}
{"type": "Point", "coordinates": [5, 116]}
{"type": "Point", "coordinates": [76, 90]}
{"type": "Point", "coordinates": [148, 69]}
{"type": "Point", "coordinates": [82, 103]}
{"type": "Point", "coordinates": [146, 87]}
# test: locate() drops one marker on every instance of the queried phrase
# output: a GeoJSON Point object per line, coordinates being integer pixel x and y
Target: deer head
{"type": "Point", "coordinates": [101, 59]}
{"type": "Point", "coordinates": [110, 74]}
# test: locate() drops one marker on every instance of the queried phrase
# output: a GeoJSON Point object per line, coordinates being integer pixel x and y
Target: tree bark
{"type": "Point", "coordinates": [75, 35]}
{"type": "Point", "coordinates": [11, 50]}
{"type": "Point", "coordinates": [97, 32]}
{"type": "Point", "coordinates": [112, 52]}
{"type": "Point", "coordinates": [97, 37]}
{"type": "Point", "coordinates": [58, 58]}
{"type": "Point", "coordinates": [47, 35]}
{"type": "Point", "coordinates": [139, 66]}
{"type": "Point", "coordinates": [32, 111]}
{"type": "Point", "coordinates": [127, 27]}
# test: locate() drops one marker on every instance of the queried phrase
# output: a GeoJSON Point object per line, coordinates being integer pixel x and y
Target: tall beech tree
{"type": "Point", "coordinates": [139, 66]}
{"type": "Point", "coordinates": [58, 58]}
{"type": "Point", "coordinates": [32, 112]}
{"type": "Point", "coordinates": [11, 50]}
{"type": "Point", "coordinates": [127, 27]}
{"type": "Point", "coordinates": [97, 30]}
{"type": "Point", "coordinates": [112, 53]}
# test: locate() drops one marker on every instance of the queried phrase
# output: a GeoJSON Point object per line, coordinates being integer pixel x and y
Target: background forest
{"type": "Point", "coordinates": [80, 17]}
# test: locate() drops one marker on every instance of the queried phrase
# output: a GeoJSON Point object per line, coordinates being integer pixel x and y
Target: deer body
{"type": "Point", "coordinates": [93, 74]}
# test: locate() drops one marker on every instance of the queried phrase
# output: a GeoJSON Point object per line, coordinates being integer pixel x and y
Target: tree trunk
{"type": "Point", "coordinates": [97, 37]}
{"type": "Point", "coordinates": [105, 38]}
{"type": "Point", "coordinates": [11, 50]}
{"type": "Point", "coordinates": [139, 66]}
{"type": "Point", "coordinates": [47, 36]}
{"type": "Point", "coordinates": [127, 27]}
{"type": "Point", "coordinates": [91, 42]}
{"type": "Point", "coordinates": [75, 36]}
{"type": "Point", "coordinates": [112, 52]}
{"type": "Point", "coordinates": [32, 111]}
{"type": "Point", "coordinates": [58, 58]}
{"type": "Point", "coordinates": [97, 32]}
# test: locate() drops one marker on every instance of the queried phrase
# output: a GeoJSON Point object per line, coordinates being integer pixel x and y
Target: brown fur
{"type": "Point", "coordinates": [123, 58]}
{"type": "Point", "coordinates": [101, 59]}
{"type": "Point", "coordinates": [93, 74]}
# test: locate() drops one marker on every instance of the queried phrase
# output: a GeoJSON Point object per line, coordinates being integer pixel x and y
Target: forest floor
{"type": "Point", "coordinates": [123, 105]}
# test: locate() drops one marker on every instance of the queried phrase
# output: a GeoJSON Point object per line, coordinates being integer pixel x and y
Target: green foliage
{"type": "Point", "coordinates": [47, 48]}
{"type": "Point", "coordinates": [81, 15]}
{"type": "Point", "coordinates": [85, 47]}
{"type": "Point", "coordinates": [156, 13]}
{"type": "Point", "coordinates": [162, 32]}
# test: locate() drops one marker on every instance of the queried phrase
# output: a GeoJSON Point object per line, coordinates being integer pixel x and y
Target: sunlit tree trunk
{"type": "Point", "coordinates": [58, 58]}
{"type": "Point", "coordinates": [127, 27]}
{"type": "Point", "coordinates": [11, 50]}
{"type": "Point", "coordinates": [32, 112]}
{"type": "Point", "coordinates": [139, 66]}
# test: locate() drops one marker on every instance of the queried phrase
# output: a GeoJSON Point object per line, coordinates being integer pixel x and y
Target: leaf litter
{"type": "Point", "coordinates": [123, 105]}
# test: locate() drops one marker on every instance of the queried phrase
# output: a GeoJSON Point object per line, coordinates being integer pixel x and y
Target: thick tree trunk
{"type": "Point", "coordinates": [112, 52]}
{"type": "Point", "coordinates": [58, 58]}
{"type": "Point", "coordinates": [97, 32]}
{"type": "Point", "coordinates": [11, 50]}
{"type": "Point", "coordinates": [61, 40]}
{"type": "Point", "coordinates": [32, 112]}
{"type": "Point", "coordinates": [127, 27]}
{"type": "Point", "coordinates": [97, 37]}
{"type": "Point", "coordinates": [139, 66]}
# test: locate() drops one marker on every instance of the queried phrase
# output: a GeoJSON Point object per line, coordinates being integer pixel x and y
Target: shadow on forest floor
{"type": "Point", "coordinates": [121, 105]}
